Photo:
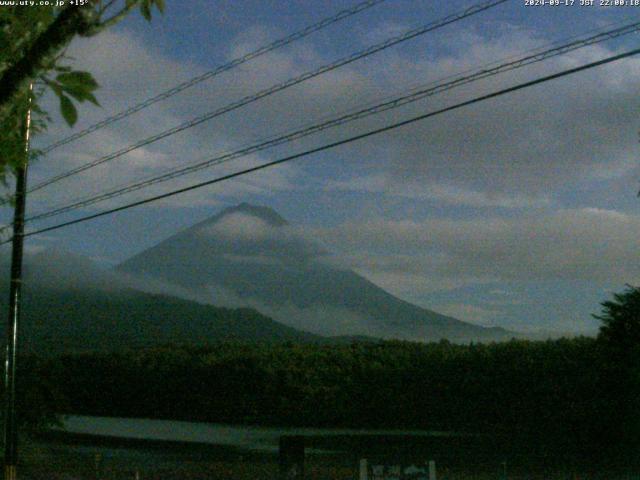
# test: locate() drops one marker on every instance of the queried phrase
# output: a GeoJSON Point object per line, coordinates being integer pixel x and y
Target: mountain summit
{"type": "Point", "coordinates": [249, 255]}
{"type": "Point", "coordinates": [265, 214]}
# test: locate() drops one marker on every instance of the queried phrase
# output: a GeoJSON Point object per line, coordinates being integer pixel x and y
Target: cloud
{"type": "Point", "coordinates": [512, 152]}
{"type": "Point", "coordinates": [241, 226]}
{"type": "Point", "coordinates": [110, 61]}
{"type": "Point", "coordinates": [60, 270]}
{"type": "Point", "coordinates": [241, 236]}
{"type": "Point", "coordinates": [447, 194]}
{"type": "Point", "coordinates": [571, 244]}
{"type": "Point", "coordinates": [529, 141]}
{"type": "Point", "coordinates": [469, 313]}
{"type": "Point", "coordinates": [318, 319]}
{"type": "Point", "coordinates": [524, 152]}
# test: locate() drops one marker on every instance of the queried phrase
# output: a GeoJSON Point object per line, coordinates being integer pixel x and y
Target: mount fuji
{"type": "Point", "coordinates": [249, 256]}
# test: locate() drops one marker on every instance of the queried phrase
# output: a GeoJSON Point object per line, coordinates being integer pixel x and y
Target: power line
{"type": "Point", "coordinates": [341, 15]}
{"type": "Point", "coordinates": [403, 100]}
{"type": "Point", "coordinates": [480, 7]}
{"type": "Point", "coordinates": [277, 88]}
{"type": "Point", "coordinates": [340, 142]}
{"type": "Point", "coordinates": [419, 94]}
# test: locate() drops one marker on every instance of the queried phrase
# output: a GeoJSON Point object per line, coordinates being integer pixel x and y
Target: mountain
{"type": "Point", "coordinates": [71, 305]}
{"type": "Point", "coordinates": [250, 256]}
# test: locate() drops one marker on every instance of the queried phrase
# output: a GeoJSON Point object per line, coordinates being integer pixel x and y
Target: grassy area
{"type": "Point", "coordinates": [108, 460]}
{"type": "Point", "coordinates": [79, 462]}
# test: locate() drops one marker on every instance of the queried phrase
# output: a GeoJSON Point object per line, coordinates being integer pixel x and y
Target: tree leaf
{"type": "Point", "coordinates": [56, 87]}
{"type": "Point", "coordinates": [145, 9]}
{"type": "Point", "coordinates": [78, 78]}
{"type": "Point", "coordinates": [68, 109]}
{"type": "Point", "coordinates": [160, 5]}
{"type": "Point", "coordinates": [76, 93]}
{"type": "Point", "coordinates": [91, 97]}
{"type": "Point", "coordinates": [80, 92]}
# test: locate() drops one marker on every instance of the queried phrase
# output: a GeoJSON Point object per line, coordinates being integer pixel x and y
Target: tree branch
{"type": "Point", "coordinates": [114, 19]}
{"type": "Point", "coordinates": [71, 21]}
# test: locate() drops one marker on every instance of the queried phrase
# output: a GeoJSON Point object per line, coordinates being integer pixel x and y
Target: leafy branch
{"type": "Point", "coordinates": [35, 41]}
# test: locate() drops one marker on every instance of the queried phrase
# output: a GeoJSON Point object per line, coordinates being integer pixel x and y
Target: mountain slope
{"type": "Point", "coordinates": [79, 307]}
{"type": "Point", "coordinates": [249, 255]}
{"type": "Point", "coordinates": [74, 321]}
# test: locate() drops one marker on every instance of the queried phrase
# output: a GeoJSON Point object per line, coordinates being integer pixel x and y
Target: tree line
{"type": "Point", "coordinates": [581, 393]}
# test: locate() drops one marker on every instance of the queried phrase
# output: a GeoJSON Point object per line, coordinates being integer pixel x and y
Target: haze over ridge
{"type": "Point", "coordinates": [249, 255]}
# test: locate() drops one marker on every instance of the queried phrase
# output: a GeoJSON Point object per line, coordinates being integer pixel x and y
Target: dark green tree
{"type": "Point", "coordinates": [620, 319]}
{"type": "Point", "coordinates": [619, 341]}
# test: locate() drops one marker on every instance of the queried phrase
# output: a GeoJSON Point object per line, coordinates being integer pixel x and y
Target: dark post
{"type": "Point", "coordinates": [291, 455]}
{"type": "Point", "coordinates": [10, 423]}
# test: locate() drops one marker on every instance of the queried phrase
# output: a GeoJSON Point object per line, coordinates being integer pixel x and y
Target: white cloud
{"type": "Point", "coordinates": [448, 194]}
{"type": "Point", "coordinates": [111, 61]}
{"type": "Point", "coordinates": [240, 226]}
{"type": "Point", "coordinates": [469, 313]}
{"type": "Point", "coordinates": [517, 152]}
{"type": "Point", "coordinates": [238, 235]}
{"type": "Point", "coordinates": [513, 152]}
{"type": "Point", "coordinates": [588, 244]}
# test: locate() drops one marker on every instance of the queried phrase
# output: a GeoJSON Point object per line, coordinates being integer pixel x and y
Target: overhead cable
{"type": "Point", "coordinates": [480, 7]}
{"type": "Point", "coordinates": [340, 142]}
{"type": "Point", "coordinates": [343, 119]}
{"type": "Point", "coordinates": [341, 15]}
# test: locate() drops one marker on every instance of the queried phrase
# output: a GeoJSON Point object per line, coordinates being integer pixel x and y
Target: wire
{"type": "Point", "coordinates": [362, 113]}
{"type": "Point", "coordinates": [480, 7]}
{"type": "Point", "coordinates": [341, 15]}
{"type": "Point", "coordinates": [340, 142]}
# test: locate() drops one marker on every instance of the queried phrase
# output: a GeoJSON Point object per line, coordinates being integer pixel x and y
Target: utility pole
{"type": "Point", "coordinates": [10, 423]}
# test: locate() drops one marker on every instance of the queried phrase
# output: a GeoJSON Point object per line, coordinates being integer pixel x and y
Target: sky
{"type": "Point", "coordinates": [520, 211]}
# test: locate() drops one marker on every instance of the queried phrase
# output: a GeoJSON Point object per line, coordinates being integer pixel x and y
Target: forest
{"type": "Point", "coordinates": [562, 392]}
{"type": "Point", "coordinates": [580, 394]}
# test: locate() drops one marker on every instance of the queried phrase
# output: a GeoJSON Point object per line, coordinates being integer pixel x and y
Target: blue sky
{"type": "Point", "coordinates": [519, 212]}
